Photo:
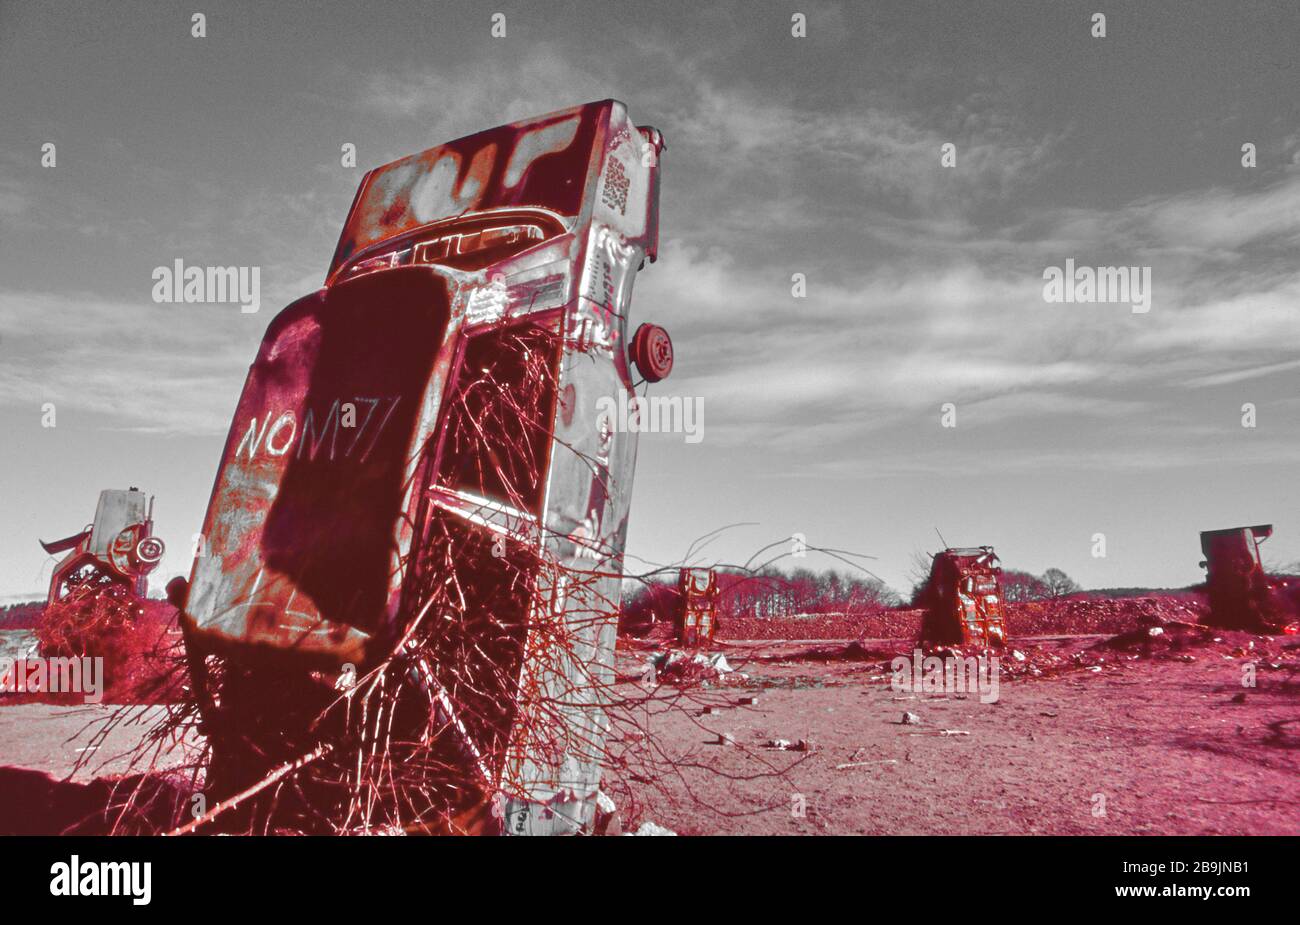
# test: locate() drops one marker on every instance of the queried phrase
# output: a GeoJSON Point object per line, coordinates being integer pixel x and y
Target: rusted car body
{"type": "Point", "coordinates": [697, 606]}
{"type": "Point", "coordinates": [963, 599]}
{"type": "Point", "coordinates": [429, 418]}
{"type": "Point", "coordinates": [1240, 591]}
{"type": "Point", "coordinates": [115, 553]}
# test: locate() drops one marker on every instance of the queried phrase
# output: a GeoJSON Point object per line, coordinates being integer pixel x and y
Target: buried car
{"type": "Point", "coordinates": [697, 606]}
{"type": "Point", "coordinates": [963, 599]}
{"type": "Point", "coordinates": [113, 555]}
{"type": "Point", "coordinates": [1241, 593]}
{"type": "Point", "coordinates": [420, 493]}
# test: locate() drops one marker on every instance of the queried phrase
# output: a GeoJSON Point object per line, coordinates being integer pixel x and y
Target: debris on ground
{"type": "Point", "coordinates": [851, 652]}
{"type": "Point", "coordinates": [607, 821]}
{"type": "Point", "coordinates": [1085, 614]}
{"type": "Point", "coordinates": [786, 745]}
{"type": "Point", "coordinates": [649, 828]}
{"type": "Point", "coordinates": [683, 669]}
{"type": "Point", "coordinates": [863, 764]}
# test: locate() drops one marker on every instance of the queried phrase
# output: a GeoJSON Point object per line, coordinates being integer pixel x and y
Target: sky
{"type": "Point", "coordinates": [816, 155]}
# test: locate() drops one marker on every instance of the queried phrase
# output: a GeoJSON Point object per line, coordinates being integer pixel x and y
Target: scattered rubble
{"type": "Point", "coordinates": [1085, 614]}
{"type": "Point", "coordinates": [683, 669]}
{"type": "Point", "coordinates": [1152, 627]}
{"type": "Point", "coordinates": [863, 764]}
{"type": "Point", "coordinates": [786, 745]}
{"type": "Point", "coordinates": [875, 624]}
{"type": "Point", "coordinates": [607, 821]}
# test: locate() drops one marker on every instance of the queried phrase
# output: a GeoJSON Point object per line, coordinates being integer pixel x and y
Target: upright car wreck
{"type": "Point", "coordinates": [1242, 595]}
{"type": "Point", "coordinates": [697, 606]}
{"type": "Point", "coordinates": [414, 543]}
{"type": "Point", "coordinates": [963, 599]}
{"type": "Point", "coordinates": [114, 554]}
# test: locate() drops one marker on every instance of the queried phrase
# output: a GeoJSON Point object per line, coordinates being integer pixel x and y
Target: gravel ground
{"type": "Point", "coordinates": [1147, 746]}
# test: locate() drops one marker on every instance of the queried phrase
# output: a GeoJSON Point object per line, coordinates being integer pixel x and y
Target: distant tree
{"type": "Point", "coordinates": [918, 573]}
{"type": "Point", "coordinates": [763, 595]}
{"type": "Point", "coordinates": [652, 602]}
{"type": "Point", "coordinates": [1018, 587]}
{"type": "Point", "coordinates": [21, 616]}
{"type": "Point", "coordinates": [1059, 584]}
{"type": "Point", "coordinates": [771, 593]}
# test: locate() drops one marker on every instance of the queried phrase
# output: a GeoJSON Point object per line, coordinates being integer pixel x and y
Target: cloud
{"type": "Point", "coordinates": [172, 369]}
{"type": "Point", "coordinates": [1212, 224]}
{"type": "Point", "coordinates": [754, 158]}
{"type": "Point", "coordinates": [916, 295]}
{"type": "Point", "coordinates": [13, 201]}
{"type": "Point", "coordinates": [1241, 375]}
{"type": "Point", "coordinates": [454, 101]}
{"type": "Point", "coordinates": [964, 321]}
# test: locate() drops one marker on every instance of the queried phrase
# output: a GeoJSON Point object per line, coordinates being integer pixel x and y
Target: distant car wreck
{"type": "Point", "coordinates": [697, 606]}
{"type": "Point", "coordinates": [113, 555]}
{"type": "Point", "coordinates": [1242, 595]}
{"type": "Point", "coordinates": [418, 504]}
{"type": "Point", "coordinates": [963, 599]}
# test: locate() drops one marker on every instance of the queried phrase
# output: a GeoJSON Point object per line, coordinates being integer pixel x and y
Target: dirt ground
{"type": "Point", "coordinates": [1147, 732]}
{"type": "Point", "coordinates": [54, 739]}
{"type": "Point", "coordinates": [1144, 747]}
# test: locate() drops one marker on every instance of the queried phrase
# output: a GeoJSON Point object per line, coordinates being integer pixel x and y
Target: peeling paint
{"type": "Point", "coordinates": [506, 247]}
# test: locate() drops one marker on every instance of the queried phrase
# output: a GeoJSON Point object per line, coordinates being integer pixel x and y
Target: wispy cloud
{"type": "Point", "coordinates": [1242, 375]}
{"type": "Point", "coordinates": [132, 365]}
